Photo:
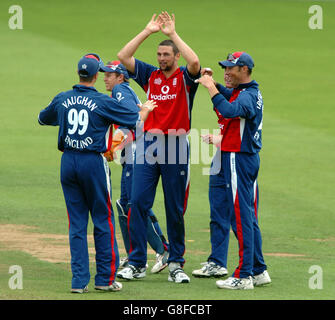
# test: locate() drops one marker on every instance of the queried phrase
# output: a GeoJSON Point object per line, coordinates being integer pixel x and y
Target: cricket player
{"type": "Point", "coordinates": [117, 81]}
{"type": "Point", "coordinates": [216, 264]}
{"type": "Point", "coordinates": [84, 117]}
{"type": "Point", "coordinates": [233, 192]}
{"type": "Point", "coordinates": [165, 150]}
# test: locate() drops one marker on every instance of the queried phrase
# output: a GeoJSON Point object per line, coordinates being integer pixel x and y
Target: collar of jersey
{"type": "Point", "coordinates": [172, 75]}
{"type": "Point", "coordinates": [81, 87]}
{"type": "Point", "coordinates": [247, 85]}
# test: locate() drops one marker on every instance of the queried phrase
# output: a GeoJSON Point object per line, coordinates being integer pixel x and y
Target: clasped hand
{"type": "Point", "coordinates": [163, 22]}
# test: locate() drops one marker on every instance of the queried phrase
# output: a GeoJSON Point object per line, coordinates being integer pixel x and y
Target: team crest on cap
{"type": "Point", "coordinates": [234, 60]}
{"type": "Point", "coordinates": [84, 66]}
{"type": "Point", "coordinates": [113, 65]}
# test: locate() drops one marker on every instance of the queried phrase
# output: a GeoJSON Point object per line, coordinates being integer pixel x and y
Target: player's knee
{"type": "Point", "coordinates": [140, 204]}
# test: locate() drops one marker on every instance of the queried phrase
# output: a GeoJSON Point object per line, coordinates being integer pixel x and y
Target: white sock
{"type": "Point", "coordinates": [173, 266]}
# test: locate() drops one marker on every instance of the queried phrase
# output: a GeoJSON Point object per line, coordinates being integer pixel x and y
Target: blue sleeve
{"type": "Point", "coordinates": [49, 115]}
{"type": "Point", "coordinates": [142, 73]}
{"type": "Point", "coordinates": [243, 106]}
{"type": "Point", "coordinates": [225, 91]}
{"type": "Point", "coordinates": [126, 97]}
{"type": "Point", "coordinates": [115, 112]}
{"type": "Point", "coordinates": [189, 78]}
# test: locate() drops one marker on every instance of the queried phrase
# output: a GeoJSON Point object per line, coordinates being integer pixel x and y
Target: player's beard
{"type": "Point", "coordinates": [166, 67]}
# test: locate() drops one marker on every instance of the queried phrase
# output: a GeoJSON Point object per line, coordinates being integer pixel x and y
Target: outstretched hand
{"type": "Point", "coordinates": [167, 26]}
{"type": "Point", "coordinates": [149, 104]}
{"type": "Point", "coordinates": [146, 108]}
{"type": "Point", "coordinates": [154, 24]}
{"type": "Point", "coordinates": [163, 22]}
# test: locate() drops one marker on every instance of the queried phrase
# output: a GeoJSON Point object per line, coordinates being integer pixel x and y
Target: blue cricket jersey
{"type": "Point", "coordinates": [84, 117]}
{"type": "Point", "coordinates": [240, 113]}
{"type": "Point", "coordinates": [125, 94]}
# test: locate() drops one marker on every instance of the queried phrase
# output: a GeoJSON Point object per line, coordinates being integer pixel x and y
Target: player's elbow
{"type": "Point", "coordinates": [194, 65]}
{"type": "Point", "coordinates": [124, 57]}
{"type": "Point", "coordinates": [121, 56]}
{"type": "Point", "coordinates": [40, 121]}
{"type": "Point", "coordinates": [127, 61]}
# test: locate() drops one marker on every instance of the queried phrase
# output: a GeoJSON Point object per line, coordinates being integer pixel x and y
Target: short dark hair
{"type": "Point", "coordinates": [86, 79]}
{"type": "Point", "coordinates": [170, 43]}
{"type": "Point", "coordinates": [249, 70]}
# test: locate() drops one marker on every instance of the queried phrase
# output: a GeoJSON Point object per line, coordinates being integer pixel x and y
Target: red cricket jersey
{"type": "Point", "coordinates": [230, 129]}
{"type": "Point", "coordinates": [174, 97]}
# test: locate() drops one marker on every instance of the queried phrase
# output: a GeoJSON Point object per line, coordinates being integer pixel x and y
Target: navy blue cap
{"type": "Point", "coordinates": [115, 66]}
{"type": "Point", "coordinates": [237, 59]}
{"type": "Point", "coordinates": [89, 65]}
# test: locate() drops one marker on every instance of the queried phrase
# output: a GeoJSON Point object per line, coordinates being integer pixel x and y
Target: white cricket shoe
{"type": "Point", "coordinates": [261, 279]}
{"type": "Point", "coordinates": [161, 262]}
{"type": "Point", "coordinates": [132, 272]}
{"type": "Point", "coordinates": [210, 269]}
{"type": "Point", "coordinates": [115, 286]}
{"type": "Point", "coordinates": [123, 262]}
{"type": "Point", "coordinates": [235, 283]}
{"type": "Point", "coordinates": [177, 274]}
{"type": "Point", "coordinates": [82, 290]}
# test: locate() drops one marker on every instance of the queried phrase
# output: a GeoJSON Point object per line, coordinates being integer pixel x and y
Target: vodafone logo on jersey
{"type": "Point", "coordinates": [165, 89]}
{"type": "Point", "coordinates": [164, 94]}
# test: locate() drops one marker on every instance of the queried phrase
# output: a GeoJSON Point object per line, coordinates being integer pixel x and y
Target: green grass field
{"type": "Point", "coordinates": [295, 70]}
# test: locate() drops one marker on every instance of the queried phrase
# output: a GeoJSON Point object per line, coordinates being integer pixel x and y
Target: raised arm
{"type": "Point", "coordinates": [126, 54]}
{"type": "Point", "coordinates": [168, 28]}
